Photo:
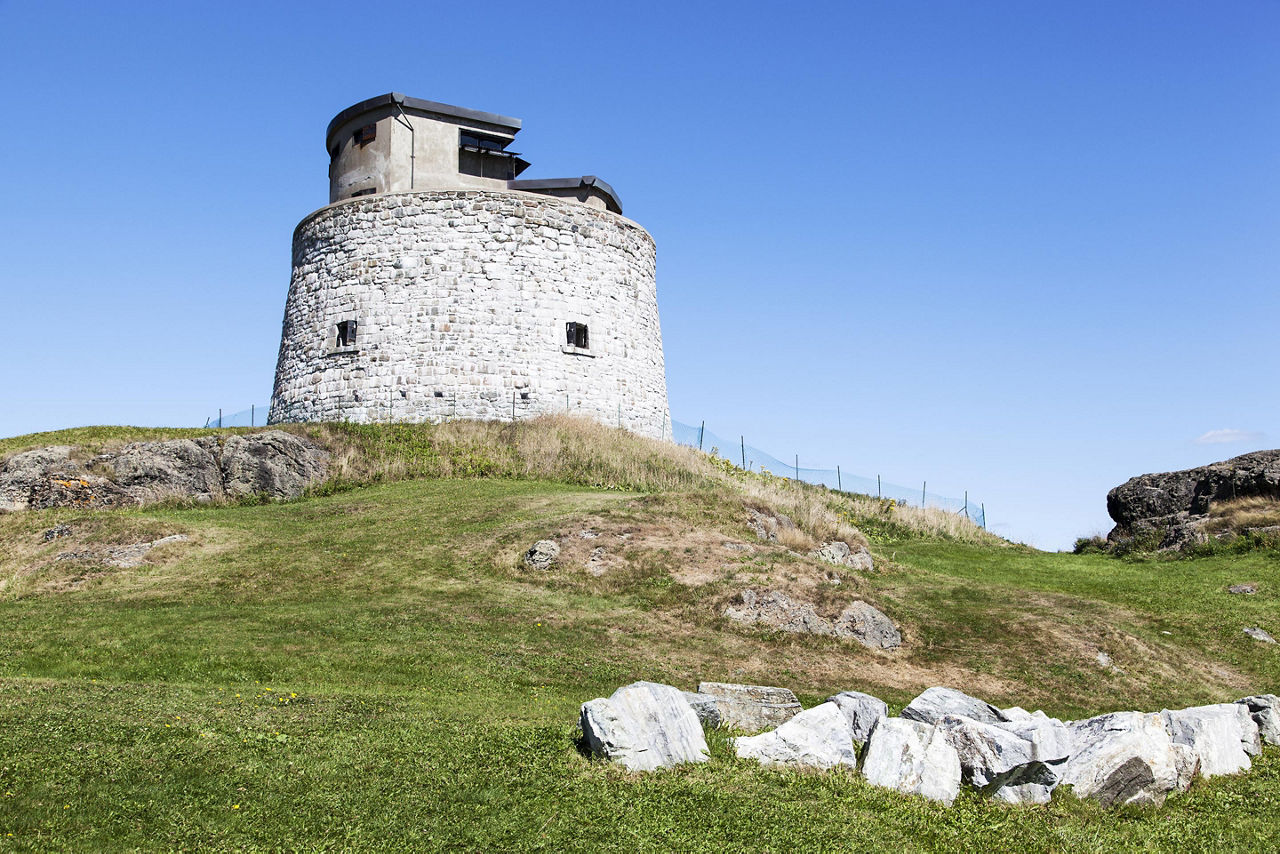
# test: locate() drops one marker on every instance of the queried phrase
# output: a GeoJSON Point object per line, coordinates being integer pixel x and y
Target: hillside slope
{"type": "Point", "coordinates": [373, 667]}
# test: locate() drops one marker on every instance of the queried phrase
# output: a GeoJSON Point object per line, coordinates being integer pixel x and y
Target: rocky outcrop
{"type": "Point", "coordinates": [840, 553]}
{"type": "Point", "coordinates": [1175, 504]}
{"type": "Point", "coordinates": [643, 726]}
{"type": "Point", "coordinates": [542, 554]}
{"type": "Point", "coordinates": [122, 557]}
{"type": "Point", "coordinates": [1000, 762]}
{"type": "Point", "coordinates": [773, 609]}
{"type": "Point", "coordinates": [816, 738]}
{"type": "Point", "coordinates": [751, 708]}
{"type": "Point", "coordinates": [862, 711]}
{"type": "Point", "coordinates": [1265, 711]}
{"type": "Point", "coordinates": [209, 468]}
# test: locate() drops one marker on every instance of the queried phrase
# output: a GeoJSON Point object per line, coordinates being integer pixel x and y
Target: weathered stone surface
{"type": "Point", "coordinates": [1051, 737]}
{"type": "Point", "coordinates": [57, 532]}
{"type": "Point", "coordinates": [862, 711]}
{"type": "Point", "coordinates": [1000, 762]}
{"type": "Point", "coordinates": [1265, 711]}
{"type": "Point", "coordinates": [751, 708]}
{"type": "Point", "coordinates": [644, 726]}
{"type": "Point", "coordinates": [704, 706]}
{"type": "Point", "coordinates": [914, 758]}
{"type": "Point", "coordinates": [867, 626]}
{"type": "Point", "coordinates": [815, 738]}
{"type": "Point", "coordinates": [272, 463]}
{"type": "Point", "coordinates": [1124, 758]}
{"type": "Point", "coordinates": [1259, 634]}
{"type": "Point", "coordinates": [124, 557]}
{"type": "Point", "coordinates": [766, 525]}
{"type": "Point", "coordinates": [842, 554]}
{"type": "Point", "coordinates": [151, 471]}
{"type": "Point", "coordinates": [934, 703]}
{"type": "Point", "coordinates": [1246, 589]}
{"type": "Point", "coordinates": [1223, 736]}
{"type": "Point", "coordinates": [859, 621]}
{"type": "Point", "coordinates": [542, 554]}
{"type": "Point", "coordinates": [1178, 501]}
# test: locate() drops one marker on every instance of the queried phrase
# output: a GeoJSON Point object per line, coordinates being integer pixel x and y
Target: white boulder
{"type": "Point", "coordinates": [751, 708]}
{"type": "Point", "coordinates": [999, 762]}
{"type": "Point", "coordinates": [1223, 736]}
{"type": "Point", "coordinates": [1124, 758]}
{"type": "Point", "coordinates": [934, 703]}
{"type": "Point", "coordinates": [644, 726]}
{"type": "Point", "coordinates": [815, 738]}
{"type": "Point", "coordinates": [862, 711]}
{"type": "Point", "coordinates": [914, 758]}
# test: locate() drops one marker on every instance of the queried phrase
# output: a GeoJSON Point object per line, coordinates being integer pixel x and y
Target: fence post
{"type": "Point", "coordinates": [797, 468]}
{"type": "Point", "coordinates": [700, 432]}
{"type": "Point", "coordinates": [839, 483]}
{"type": "Point", "coordinates": [924, 485]}
{"type": "Point", "coordinates": [878, 495]}
{"type": "Point", "coordinates": [742, 440]}
{"type": "Point", "coordinates": [253, 412]}
{"type": "Point", "coordinates": [984, 516]}
{"type": "Point", "coordinates": [219, 419]}
{"type": "Point", "coordinates": [966, 504]}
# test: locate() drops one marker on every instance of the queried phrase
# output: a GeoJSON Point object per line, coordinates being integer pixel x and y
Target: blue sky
{"type": "Point", "coordinates": [1023, 249]}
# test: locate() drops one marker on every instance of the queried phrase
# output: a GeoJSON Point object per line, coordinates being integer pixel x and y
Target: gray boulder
{"type": "Point", "coordinates": [751, 708]}
{"type": "Point", "coordinates": [1259, 634]}
{"type": "Point", "coordinates": [766, 525]}
{"type": "Point", "coordinates": [1265, 711]}
{"type": "Point", "coordinates": [862, 711]}
{"type": "Point", "coordinates": [704, 706]}
{"type": "Point", "coordinates": [1246, 589]}
{"type": "Point", "coordinates": [542, 554]}
{"type": "Point", "coordinates": [914, 758]}
{"type": "Point", "coordinates": [644, 726]}
{"type": "Point", "coordinates": [935, 703]}
{"type": "Point", "coordinates": [868, 626]}
{"type": "Point", "coordinates": [1001, 763]}
{"type": "Point", "coordinates": [150, 471]}
{"type": "Point", "coordinates": [1125, 758]}
{"type": "Point", "coordinates": [815, 738]}
{"type": "Point", "coordinates": [841, 553]}
{"type": "Point", "coordinates": [1223, 736]}
{"type": "Point", "coordinates": [20, 473]}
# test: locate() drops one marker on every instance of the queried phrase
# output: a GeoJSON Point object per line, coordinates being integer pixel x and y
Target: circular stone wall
{"type": "Point", "coordinates": [437, 305]}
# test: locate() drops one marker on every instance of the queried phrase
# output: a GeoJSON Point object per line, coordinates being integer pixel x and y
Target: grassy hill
{"type": "Point", "coordinates": [371, 667]}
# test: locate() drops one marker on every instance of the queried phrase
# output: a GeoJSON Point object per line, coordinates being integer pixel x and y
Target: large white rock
{"type": "Point", "coordinates": [644, 726]}
{"type": "Point", "coordinates": [1223, 736]}
{"type": "Point", "coordinates": [1265, 711]}
{"type": "Point", "coordinates": [999, 762]}
{"type": "Point", "coordinates": [934, 703]}
{"type": "Point", "coordinates": [862, 711]}
{"type": "Point", "coordinates": [815, 738]}
{"type": "Point", "coordinates": [1124, 758]}
{"type": "Point", "coordinates": [912, 757]}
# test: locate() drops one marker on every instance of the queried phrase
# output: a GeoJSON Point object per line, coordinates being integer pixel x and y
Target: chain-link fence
{"type": "Point", "coordinates": [254, 416]}
{"type": "Point", "coordinates": [752, 458]}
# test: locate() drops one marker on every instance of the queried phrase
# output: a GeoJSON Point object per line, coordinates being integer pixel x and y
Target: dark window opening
{"type": "Point", "coordinates": [486, 156]}
{"type": "Point", "coordinates": [471, 139]}
{"type": "Point", "coordinates": [365, 135]}
{"type": "Point", "coordinates": [576, 335]}
{"type": "Point", "coordinates": [439, 394]}
{"type": "Point", "coordinates": [524, 395]}
{"type": "Point", "coordinates": [347, 333]}
{"type": "Point", "coordinates": [367, 191]}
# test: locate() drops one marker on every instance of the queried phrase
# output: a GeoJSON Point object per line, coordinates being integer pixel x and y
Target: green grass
{"type": "Point", "coordinates": [373, 670]}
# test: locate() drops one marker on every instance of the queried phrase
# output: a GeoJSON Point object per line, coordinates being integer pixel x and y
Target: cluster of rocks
{"type": "Point", "coordinates": [123, 557]}
{"type": "Point", "coordinates": [942, 740]}
{"type": "Point", "coordinates": [773, 609]}
{"type": "Point", "coordinates": [208, 468]}
{"type": "Point", "coordinates": [1172, 508]}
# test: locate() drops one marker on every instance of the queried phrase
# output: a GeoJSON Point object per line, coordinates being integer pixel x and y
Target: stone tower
{"type": "Point", "coordinates": [439, 284]}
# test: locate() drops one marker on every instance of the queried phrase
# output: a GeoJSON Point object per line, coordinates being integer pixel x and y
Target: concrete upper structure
{"type": "Point", "coordinates": [395, 144]}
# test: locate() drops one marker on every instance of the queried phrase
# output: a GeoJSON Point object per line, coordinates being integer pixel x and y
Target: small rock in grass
{"type": "Point", "coordinates": [1259, 634]}
{"type": "Point", "coordinates": [56, 532]}
{"type": "Point", "coordinates": [542, 555]}
{"type": "Point", "coordinates": [1247, 589]}
{"type": "Point", "coordinates": [842, 554]}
